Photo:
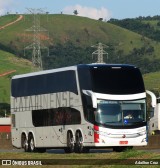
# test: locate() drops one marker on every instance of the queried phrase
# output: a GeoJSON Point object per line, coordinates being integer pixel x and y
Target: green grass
{"type": "Point", "coordinates": [9, 62]}
{"type": "Point", "coordinates": [93, 158]}
{"type": "Point", "coordinates": [153, 23]}
{"type": "Point", "coordinates": [152, 81]}
{"type": "Point", "coordinates": [79, 30]}
{"type": "Point", "coordinates": [7, 19]}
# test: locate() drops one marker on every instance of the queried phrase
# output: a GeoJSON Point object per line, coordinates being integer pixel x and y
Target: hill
{"type": "Point", "coordinates": [152, 82]}
{"type": "Point", "coordinates": [69, 42]}
{"type": "Point", "coordinates": [8, 63]}
{"type": "Point", "coordinates": [7, 19]}
{"type": "Point", "coordinates": [71, 37]}
{"type": "Point", "coordinates": [146, 26]}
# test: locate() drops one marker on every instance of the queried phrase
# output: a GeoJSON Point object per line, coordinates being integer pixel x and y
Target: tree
{"type": "Point", "coordinates": [158, 24]}
{"type": "Point", "coordinates": [75, 12]}
{"type": "Point", "coordinates": [101, 19]}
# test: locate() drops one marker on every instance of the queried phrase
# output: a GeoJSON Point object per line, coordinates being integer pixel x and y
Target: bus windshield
{"type": "Point", "coordinates": [118, 81]}
{"type": "Point", "coordinates": [120, 112]}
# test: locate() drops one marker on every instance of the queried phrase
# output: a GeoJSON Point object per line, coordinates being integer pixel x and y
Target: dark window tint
{"type": "Point", "coordinates": [84, 77]}
{"type": "Point", "coordinates": [122, 80]}
{"type": "Point", "coordinates": [43, 84]}
{"type": "Point", "coordinates": [88, 108]}
{"type": "Point", "coordinates": [53, 117]}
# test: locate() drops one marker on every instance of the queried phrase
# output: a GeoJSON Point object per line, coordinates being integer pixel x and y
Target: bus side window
{"type": "Point", "coordinates": [76, 117]}
{"type": "Point", "coordinates": [72, 116]}
{"type": "Point", "coordinates": [68, 116]}
{"type": "Point", "coordinates": [88, 108]}
{"type": "Point", "coordinates": [59, 116]}
{"type": "Point", "coordinates": [53, 117]}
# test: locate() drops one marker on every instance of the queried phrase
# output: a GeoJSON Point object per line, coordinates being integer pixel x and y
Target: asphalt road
{"type": "Point", "coordinates": [61, 151]}
{"type": "Point", "coordinates": [56, 151]}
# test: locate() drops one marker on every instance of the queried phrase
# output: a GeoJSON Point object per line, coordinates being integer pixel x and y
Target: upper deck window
{"type": "Point", "coordinates": [44, 84]}
{"type": "Point", "coordinates": [116, 80]}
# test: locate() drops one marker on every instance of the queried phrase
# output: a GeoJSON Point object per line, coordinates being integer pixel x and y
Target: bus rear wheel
{"type": "Point", "coordinates": [31, 144]}
{"type": "Point", "coordinates": [79, 143]}
{"type": "Point", "coordinates": [70, 143]}
{"type": "Point", "coordinates": [24, 143]}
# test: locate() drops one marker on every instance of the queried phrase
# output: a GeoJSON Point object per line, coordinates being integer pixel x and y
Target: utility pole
{"type": "Point", "coordinates": [100, 52]}
{"type": "Point", "coordinates": [36, 41]}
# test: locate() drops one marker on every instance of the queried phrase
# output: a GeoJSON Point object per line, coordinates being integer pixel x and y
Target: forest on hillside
{"type": "Point", "coordinates": [68, 53]}
{"type": "Point", "coordinates": [146, 26]}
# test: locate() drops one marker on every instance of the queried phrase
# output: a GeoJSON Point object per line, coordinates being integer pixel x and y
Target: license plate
{"type": "Point", "coordinates": [123, 142]}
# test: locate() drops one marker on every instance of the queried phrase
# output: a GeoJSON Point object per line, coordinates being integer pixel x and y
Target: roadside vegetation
{"type": "Point", "coordinates": [122, 159]}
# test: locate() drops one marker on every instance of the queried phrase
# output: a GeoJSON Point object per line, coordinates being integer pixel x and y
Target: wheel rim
{"type": "Point", "coordinates": [70, 142]}
{"type": "Point", "coordinates": [25, 144]}
{"type": "Point", "coordinates": [79, 142]}
{"type": "Point", "coordinates": [32, 146]}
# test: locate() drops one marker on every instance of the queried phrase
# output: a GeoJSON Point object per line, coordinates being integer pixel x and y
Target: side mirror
{"type": "Point", "coordinates": [93, 97]}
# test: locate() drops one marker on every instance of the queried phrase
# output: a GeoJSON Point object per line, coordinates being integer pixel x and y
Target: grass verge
{"type": "Point", "coordinates": [110, 159]}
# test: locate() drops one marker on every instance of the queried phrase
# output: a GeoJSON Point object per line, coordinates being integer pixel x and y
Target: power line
{"type": "Point", "coordinates": [100, 52]}
{"type": "Point", "coordinates": [36, 41]}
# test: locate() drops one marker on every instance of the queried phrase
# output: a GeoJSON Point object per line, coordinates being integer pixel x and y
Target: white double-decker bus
{"type": "Point", "coordinates": [78, 108]}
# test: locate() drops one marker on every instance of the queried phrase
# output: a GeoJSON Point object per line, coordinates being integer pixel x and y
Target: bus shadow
{"type": "Point", "coordinates": [61, 151]}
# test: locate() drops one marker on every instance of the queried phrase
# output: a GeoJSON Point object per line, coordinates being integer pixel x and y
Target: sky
{"type": "Point", "coordinates": [95, 9]}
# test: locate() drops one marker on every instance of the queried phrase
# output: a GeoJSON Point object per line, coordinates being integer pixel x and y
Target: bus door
{"type": "Point", "coordinates": [59, 127]}
{"type": "Point", "coordinates": [16, 138]}
{"type": "Point", "coordinates": [61, 135]}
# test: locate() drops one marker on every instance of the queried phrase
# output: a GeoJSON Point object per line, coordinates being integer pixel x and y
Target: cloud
{"type": "Point", "coordinates": [5, 6]}
{"type": "Point", "coordinates": [90, 12]}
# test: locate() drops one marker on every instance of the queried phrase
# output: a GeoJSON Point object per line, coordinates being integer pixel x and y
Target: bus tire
{"type": "Point", "coordinates": [79, 143]}
{"type": "Point", "coordinates": [24, 142]}
{"type": "Point", "coordinates": [70, 143]}
{"type": "Point", "coordinates": [31, 144]}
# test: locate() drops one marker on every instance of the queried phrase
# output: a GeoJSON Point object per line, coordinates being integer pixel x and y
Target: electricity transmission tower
{"type": "Point", "coordinates": [100, 52]}
{"type": "Point", "coordinates": [36, 41]}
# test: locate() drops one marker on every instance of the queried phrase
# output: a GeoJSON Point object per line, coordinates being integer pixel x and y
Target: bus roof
{"type": "Point", "coordinates": [106, 65]}
{"type": "Point", "coordinates": [44, 72]}
{"type": "Point", "coordinates": [71, 68]}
